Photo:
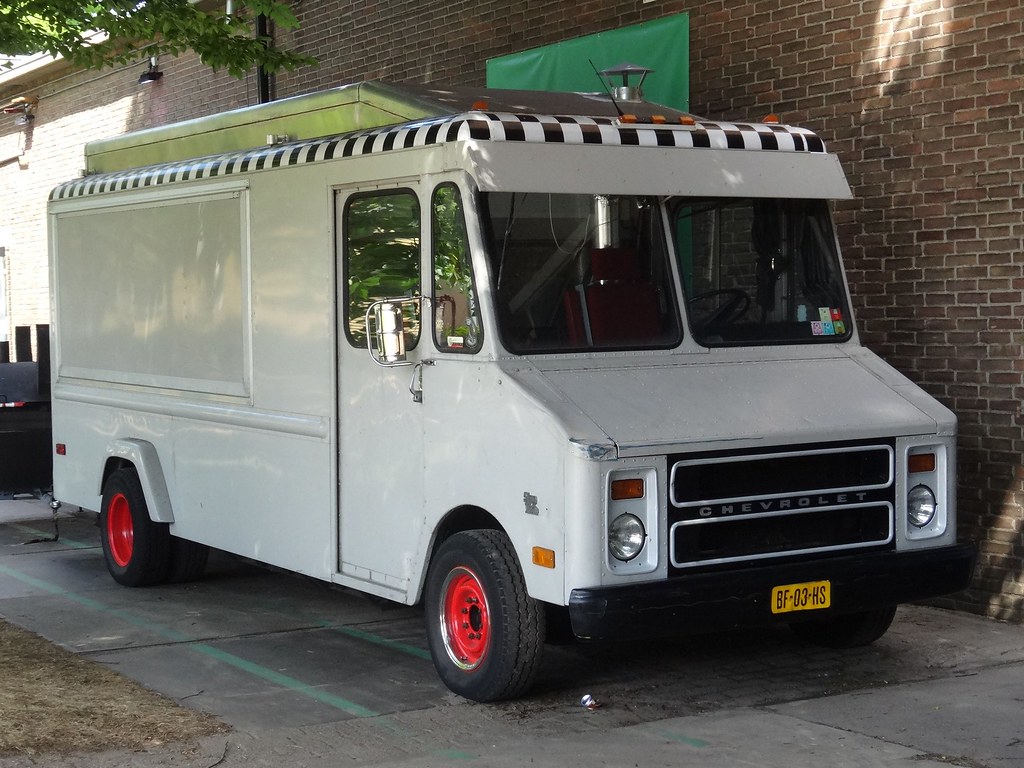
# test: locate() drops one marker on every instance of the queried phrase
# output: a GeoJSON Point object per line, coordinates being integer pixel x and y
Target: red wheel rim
{"type": "Point", "coordinates": [465, 618]}
{"type": "Point", "coordinates": [120, 532]}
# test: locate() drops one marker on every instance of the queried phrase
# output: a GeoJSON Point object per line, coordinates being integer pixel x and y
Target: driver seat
{"type": "Point", "coordinates": [618, 306]}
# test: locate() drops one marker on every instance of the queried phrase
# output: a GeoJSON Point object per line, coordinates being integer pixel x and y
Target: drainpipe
{"type": "Point", "coordinates": [262, 77]}
{"type": "Point", "coordinates": [262, 30]}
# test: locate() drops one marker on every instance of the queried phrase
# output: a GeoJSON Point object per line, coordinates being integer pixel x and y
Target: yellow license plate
{"type": "Point", "coordinates": [806, 596]}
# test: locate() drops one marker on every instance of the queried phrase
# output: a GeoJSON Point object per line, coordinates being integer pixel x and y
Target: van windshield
{"type": "Point", "coordinates": [759, 271]}
{"type": "Point", "coordinates": [580, 272]}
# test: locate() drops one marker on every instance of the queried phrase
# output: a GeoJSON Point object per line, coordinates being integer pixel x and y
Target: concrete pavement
{"type": "Point", "coordinates": [280, 658]}
{"type": "Point", "coordinates": [972, 720]}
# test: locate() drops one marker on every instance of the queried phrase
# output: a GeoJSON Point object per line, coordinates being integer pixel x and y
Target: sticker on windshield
{"type": "Point", "coordinates": [831, 322]}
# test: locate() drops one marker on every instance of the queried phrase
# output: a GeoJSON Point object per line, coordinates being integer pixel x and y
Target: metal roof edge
{"type": "Point", "coordinates": [469, 126]}
{"type": "Point", "coordinates": [308, 116]}
{"type": "Point", "coordinates": [31, 66]}
{"type": "Point", "coordinates": [27, 68]}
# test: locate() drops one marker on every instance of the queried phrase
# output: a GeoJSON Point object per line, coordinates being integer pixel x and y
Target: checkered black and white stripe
{"type": "Point", "coordinates": [477, 126]}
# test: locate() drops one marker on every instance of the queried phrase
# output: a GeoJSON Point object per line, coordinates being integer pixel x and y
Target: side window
{"type": "Point", "coordinates": [457, 326]}
{"type": "Point", "coordinates": [382, 258]}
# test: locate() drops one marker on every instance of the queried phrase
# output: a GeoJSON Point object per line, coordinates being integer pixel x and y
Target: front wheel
{"type": "Point", "coordinates": [851, 630]}
{"type": "Point", "coordinates": [137, 550]}
{"type": "Point", "coordinates": [485, 632]}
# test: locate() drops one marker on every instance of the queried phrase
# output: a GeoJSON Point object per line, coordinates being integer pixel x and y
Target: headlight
{"type": "Point", "coordinates": [626, 537]}
{"type": "Point", "coordinates": [920, 506]}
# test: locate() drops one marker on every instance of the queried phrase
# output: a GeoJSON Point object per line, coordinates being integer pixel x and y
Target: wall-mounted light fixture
{"type": "Point", "coordinates": [152, 74]}
{"type": "Point", "coordinates": [23, 107]}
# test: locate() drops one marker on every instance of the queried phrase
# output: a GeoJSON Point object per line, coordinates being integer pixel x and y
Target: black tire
{"type": "Point", "coordinates": [486, 634]}
{"type": "Point", "coordinates": [137, 550]}
{"type": "Point", "coordinates": [851, 630]}
{"type": "Point", "coordinates": [187, 560]}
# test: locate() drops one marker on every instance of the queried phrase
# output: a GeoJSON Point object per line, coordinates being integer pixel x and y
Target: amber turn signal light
{"type": "Point", "coordinates": [627, 489]}
{"type": "Point", "coordinates": [921, 462]}
{"type": "Point", "coordinates": [545, 558]}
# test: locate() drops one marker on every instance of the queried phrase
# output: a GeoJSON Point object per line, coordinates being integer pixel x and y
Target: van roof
{"type": "Point", "coordinates": [673, 129]}
{"type": "Point", "coordinates": [336, 111]}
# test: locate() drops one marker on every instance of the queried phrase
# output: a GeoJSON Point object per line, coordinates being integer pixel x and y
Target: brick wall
{"type": "Point", "coordinates": [922, 99]}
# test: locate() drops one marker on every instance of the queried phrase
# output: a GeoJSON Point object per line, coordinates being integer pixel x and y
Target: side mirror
{"type": "Point", "coordinates": [385, 332]}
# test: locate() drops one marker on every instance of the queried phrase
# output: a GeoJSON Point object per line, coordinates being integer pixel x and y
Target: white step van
{"type": "Point", "coordinates": [521, 357]}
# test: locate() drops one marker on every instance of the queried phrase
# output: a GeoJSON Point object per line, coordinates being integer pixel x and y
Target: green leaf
{"type": "Point", "coordinates": [63, 27]}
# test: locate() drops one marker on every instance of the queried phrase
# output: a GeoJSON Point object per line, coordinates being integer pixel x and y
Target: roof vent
{"type": "Point", "coordinates": [626, 91]}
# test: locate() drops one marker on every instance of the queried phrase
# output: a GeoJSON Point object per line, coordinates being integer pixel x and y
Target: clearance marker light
{"type": "Point", "coordinates": [61, 449]}
{"type": "Point", "coordinates": [627, 489]}
{"type": "Point", "coordinates": [686, 120]}
{"type": "Point", "coordinates": [545, 558]}
{"type": "Point", "coordinates": [771, 119]}
{"type": "Point", "coordinates": [921, 462]}
{"type": "Point", "coordinates": [480, 106]}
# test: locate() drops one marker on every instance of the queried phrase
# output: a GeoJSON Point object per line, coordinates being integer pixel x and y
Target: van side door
{"type": "Point", "coordinates": [380, 426]}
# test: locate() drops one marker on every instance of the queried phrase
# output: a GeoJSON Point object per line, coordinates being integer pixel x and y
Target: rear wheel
{"type": "Point", "coordinates": [848, 631]}
{"type": "Point", "coordinates": [485, 632]}
{"type": "Point", "coordinates": [136, 548]}
{"type": "Point", "coordinates": [187, 560]}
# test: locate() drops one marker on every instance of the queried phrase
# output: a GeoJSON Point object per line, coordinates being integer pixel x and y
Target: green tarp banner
{"type": "Point", "coordinates": [662, 45]}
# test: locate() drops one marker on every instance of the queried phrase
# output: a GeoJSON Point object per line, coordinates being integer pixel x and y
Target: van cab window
{"type": "Point", "coordinates": [760, 271]}
{"type": "Point", "coordinates": [580, 272]}
{"type": "Point", "coordinates": [457, 326]}
{"type": "Point", "coordinates": [382, 258]}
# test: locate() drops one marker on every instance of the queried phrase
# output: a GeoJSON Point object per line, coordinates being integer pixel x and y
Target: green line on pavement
{"type": "Point", "coordinates": [384, 642]}
{"type": "Point", "coordinates": [285, 681]}
{"type": "Point", "coordinates": [688, 740]}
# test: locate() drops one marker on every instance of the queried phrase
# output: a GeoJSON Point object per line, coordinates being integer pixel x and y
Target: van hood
{"type": "Point", "coordinates": [653, 406]}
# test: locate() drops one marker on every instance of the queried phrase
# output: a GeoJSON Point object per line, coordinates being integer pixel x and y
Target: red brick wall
{"type": "Point", "coordinates": [933, 139]}
{"type": "Point", "coordinates": [922, 99]}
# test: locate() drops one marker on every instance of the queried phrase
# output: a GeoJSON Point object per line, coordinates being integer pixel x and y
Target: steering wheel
{"type": "Point", "coordinates": [728, 313]}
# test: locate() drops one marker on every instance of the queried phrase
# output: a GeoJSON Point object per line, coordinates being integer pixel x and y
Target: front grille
{"type": "Point", "coordinates": [727, 507]}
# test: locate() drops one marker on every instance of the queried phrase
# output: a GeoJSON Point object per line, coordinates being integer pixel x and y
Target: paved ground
{"type": "Point", "coordinates": [313, 675]}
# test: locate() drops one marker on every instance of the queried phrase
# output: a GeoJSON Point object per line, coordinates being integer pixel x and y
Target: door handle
{"type": "Point", "coordinates": [416, 383]}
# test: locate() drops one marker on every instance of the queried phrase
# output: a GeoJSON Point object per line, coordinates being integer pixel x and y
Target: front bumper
{"type": "Point", "coordinates": [707, 602]}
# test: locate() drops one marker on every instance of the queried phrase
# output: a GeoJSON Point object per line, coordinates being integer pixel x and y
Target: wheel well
{"type": "Point", "coordinates": [113, 464]}
{"type": "Point", "coordinates": [463, 518]}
